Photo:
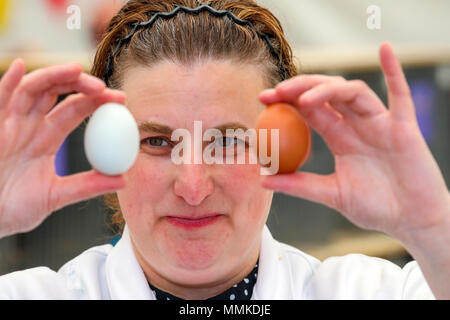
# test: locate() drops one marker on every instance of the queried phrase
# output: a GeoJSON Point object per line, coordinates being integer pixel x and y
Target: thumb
{"type": "Point", "coordinates": [82, 186]}
{"type": "Point", "coordinates": [313, 187]}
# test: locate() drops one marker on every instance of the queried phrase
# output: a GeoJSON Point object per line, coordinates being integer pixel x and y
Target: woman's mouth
{"type": "Point", "coordinates": [193, 223]}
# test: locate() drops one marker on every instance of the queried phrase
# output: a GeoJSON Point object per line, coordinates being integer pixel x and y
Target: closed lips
{"type": "Point", "coordinates": [190, 222]}
{"type": "Point", "coordinates": [195, 218]}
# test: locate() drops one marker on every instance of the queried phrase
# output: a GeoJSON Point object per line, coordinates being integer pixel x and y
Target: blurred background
{"type": "Point", "coordinates": [328, 36]}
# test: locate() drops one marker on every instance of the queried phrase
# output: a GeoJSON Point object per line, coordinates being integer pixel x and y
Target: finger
{"type": "Point", "coordinates": [10, 81]}
{"type": "Point", "coordinates": [82, 186]}
{"type": "Point", "coordinates": [69, 113]}
{"type": "Point", "coordinates": [290, 90]}
{"type": "Point", "coordinates": [270, 96]}
{"type": "Point", "coordinates": [313, 187]}
{"type": "Point", "coordinates": [355, 94]}
{"type": "Point", "coordinates": [399, 94]}
{"type": "Point", "coordinates": [320, 118]}
{"type": "Point", "coordinates": [41, 80]}
{"type": "Point", "coordinates": [84, 84]}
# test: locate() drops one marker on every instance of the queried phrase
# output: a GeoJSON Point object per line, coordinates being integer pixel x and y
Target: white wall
{"type": "Point", "coordinates": [32, 27]}
{"type": "Point", "coordinates": [337, 23]}
{"type": "Point", "coordinates": [308, 23]}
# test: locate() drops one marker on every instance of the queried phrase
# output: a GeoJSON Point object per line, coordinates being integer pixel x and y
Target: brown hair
{"type": "Point", "coordinates": [188, 39]}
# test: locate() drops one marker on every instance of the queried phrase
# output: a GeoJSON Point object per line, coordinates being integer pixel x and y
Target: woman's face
{"type": "Point", "coordinates": [162, 197]}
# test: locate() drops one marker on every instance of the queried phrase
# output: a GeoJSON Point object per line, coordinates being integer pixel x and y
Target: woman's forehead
{"type": "Point", "coordinates": [212, 92]}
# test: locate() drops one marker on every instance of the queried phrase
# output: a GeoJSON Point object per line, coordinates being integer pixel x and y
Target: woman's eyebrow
{"type": "Point", "coordinates": [232, 125]}
{"type": "Point", "coordinates": [155, 127]}
{"type": "Point", "coordinates": [163, 129]}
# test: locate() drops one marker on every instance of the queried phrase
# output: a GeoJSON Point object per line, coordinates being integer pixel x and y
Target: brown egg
{"type": "Point", "coordinates": [294, 135]}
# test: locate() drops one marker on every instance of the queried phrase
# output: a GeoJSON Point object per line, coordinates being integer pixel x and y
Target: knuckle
{"type": "Point", "coordinates": [299, 79]}
{"type": "Point", "coordinates": [70, 104]}
{"type": "Point", "coordinates": [24, 86]}
{"type": "Point", "coordinates": [339, 78]}
{"type": "Point", "coordinates": [326, 86]}
{"type": "Point", "coordinates": [360, 84]}
{"type": "Point", "coordinates": [29, 81]}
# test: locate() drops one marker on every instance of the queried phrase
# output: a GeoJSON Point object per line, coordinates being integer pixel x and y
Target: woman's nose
{"type": "Point", "coordinates": [193, 183]}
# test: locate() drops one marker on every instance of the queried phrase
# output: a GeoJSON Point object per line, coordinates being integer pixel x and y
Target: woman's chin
{"type": "Point", "coordinates": [196, 251]}
{"type": "Point", "coordinates": [196, 254]}
{"type": "Point", "coordinates": [192, 271]}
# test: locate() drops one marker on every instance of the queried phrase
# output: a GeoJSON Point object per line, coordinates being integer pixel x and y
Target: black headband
{"type": "Point", "coordinates": [138, 26]}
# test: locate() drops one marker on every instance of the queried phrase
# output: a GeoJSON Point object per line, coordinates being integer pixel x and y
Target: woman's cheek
{"type": "Point", "coordinates": [144, 181]}
{"type": "Point", "coordinates": [241, 183]}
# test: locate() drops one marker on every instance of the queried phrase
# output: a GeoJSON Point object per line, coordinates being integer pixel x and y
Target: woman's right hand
{"type": "Point", "coordinates": [31, 132]}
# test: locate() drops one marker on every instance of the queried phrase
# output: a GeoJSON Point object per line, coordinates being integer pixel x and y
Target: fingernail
{"type": "Point", "coordinates": [281, 85]}
{"type": "Point", "coordinates": [17, 60]}
{"type": "Point", "coordinates": [267, 93]}
{"type": "Point", "coordinates": [77, 65]}
{"type": "Point", "coordinates": [13, 64]}
{"type": "Point", "coordinates": [96, 82]}
{"type": "Point", "coordinates": [120, 92]}
{"type": "Point", "coordinates": [285, 86]}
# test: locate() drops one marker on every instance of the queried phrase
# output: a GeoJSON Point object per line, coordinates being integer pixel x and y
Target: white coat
{"type": "Point", "coordinates": [107, 272]}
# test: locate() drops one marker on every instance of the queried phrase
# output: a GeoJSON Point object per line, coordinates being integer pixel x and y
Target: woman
{"type": "Point", "coordinates": [197, 231]}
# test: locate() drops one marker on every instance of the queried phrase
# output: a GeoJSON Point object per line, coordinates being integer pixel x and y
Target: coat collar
{"type": "Point", "coordinates": [126, 280]}
{"type": "Point", "coordinates": [273, 281]}
{"type": "Point", "coordinates": [124, 275]}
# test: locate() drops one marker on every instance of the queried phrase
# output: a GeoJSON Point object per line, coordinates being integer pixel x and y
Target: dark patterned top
{"type": "Point", "coordinates": [240, 291]}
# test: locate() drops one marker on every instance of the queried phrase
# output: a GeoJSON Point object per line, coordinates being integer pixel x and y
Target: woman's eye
{"type": "Point", "coordinates": [224, 141]}
{"type": "Point", "coordinates": [229, 141]}
{"type": "Point", "coordinates": [156, 142]}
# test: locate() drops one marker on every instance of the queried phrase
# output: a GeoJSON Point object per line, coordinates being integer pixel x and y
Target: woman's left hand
{"type": "Point", "coordinates": [385, 177]}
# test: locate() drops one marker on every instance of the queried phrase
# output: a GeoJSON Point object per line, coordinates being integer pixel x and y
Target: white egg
{"type": "Point", "coordinates": [111, 140]}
